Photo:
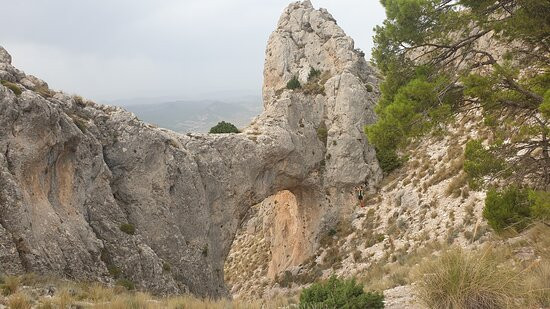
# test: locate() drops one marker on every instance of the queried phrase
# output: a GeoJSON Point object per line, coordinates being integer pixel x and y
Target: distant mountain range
{"type": "Point", "coordinates": [197, 115]}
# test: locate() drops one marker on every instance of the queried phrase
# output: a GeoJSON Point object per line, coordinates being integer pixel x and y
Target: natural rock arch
{"type": "Point", "coordinates": [71, 172]}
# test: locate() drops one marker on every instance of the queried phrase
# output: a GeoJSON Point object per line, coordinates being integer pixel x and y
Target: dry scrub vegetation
{"type": "Point", "coordinates": [31, 291]}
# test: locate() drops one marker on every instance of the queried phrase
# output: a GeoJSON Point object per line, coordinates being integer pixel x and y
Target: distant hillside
{"type": "Point", "coordinates": [198, 116]}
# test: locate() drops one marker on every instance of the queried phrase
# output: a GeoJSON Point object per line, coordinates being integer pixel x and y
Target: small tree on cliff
{"type": "Point", "coordinates": [224, 127]}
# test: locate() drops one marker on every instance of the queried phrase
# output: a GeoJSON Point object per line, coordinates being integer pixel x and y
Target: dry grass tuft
{"type": "Point", "coordinates": [19, 301]}
{"type": "Point", "coordinates": [465, 280]}
{"type": "Point", "coordinates": [11, 285]}
{"type": "Point", "coordinates": [538, 284]}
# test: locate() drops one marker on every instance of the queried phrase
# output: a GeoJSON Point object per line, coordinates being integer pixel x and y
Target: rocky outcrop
{"type": "Point", "coordinates": [420, 208]}
{"type": "Point", "coordinates": [90, 192]}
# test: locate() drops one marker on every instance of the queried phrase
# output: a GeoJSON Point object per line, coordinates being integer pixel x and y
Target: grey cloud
{"type": "Point", "coordinates": [105, 49]}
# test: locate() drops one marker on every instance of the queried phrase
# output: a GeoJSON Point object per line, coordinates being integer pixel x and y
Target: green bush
{"type": "Point", "coordinates": [11, 86]}
{"type": "Point", "coordinates": [313, 74]}
{"type": "Point", "coordinates": [322, 133]}
{"type": "Point", "coordinates": [388, 160]}
{"type": "Point", "coordinates": [336, 293]}
{"type": "Point", "coordinates": [224, 127]}
{"type": "Point", "coordinates": [294, 83]}
{"type": "Point", "coordinates": [515, 208]}
{"type": "Point", "coordinates": [479, 162]}
{"type": "Point", "coordinates": [508, 209]}
{"type": "Point", "coordinates": [128, 228]}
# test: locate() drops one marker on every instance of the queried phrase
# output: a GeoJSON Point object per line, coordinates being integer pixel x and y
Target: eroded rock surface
{"type": "Point", "coordinates": [75, 175]}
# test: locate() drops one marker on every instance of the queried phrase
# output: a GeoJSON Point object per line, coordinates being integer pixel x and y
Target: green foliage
{"type": "Point", "coordinates": [322, 133]}
{"type": "Point", "coordinates": [388, 160]}
{"type": "Point", "coordinates": [336, 293]}
{"type": "Point", "coordinates": [166, 267]}
{"type": "Point", "coordinates": [128, 284]}
{"type": "Point", "coordinates": [315, 82]}
{"type": "Point", "coordinates": [128, 228]}
{"type": "Point", "coordinates": [293, 83]}
{"type": "Point", "coordinates": [413, 111]}
{"type": "Point", "coordinates": [480, 162]}
{"type": "Point", "coordinates": [313, 74]}
{"type": "Point", "coordinates": [540, 205]}
{"type": "Point", "coordinates": [515, 208]}
{"type": "Point", "coordinates": [507, 209]}
{"type": "Point", "coordinates": [224, 127]}
{"type": "Point", "coordinates": [435, 66]}
{"type": "Point", "coordinates": [11, 86]}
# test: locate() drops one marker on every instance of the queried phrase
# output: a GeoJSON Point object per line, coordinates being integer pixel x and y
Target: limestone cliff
{"type": "Point", "coordinates": [76, 178]}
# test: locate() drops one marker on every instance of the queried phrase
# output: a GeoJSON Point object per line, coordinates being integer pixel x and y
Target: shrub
{"type": "Point", "coordinates": [313, 88]}
{"type": "Point", "coordinates": [388, 160]}
{"type": "Point", "coordinates": [315, 82]}
{"type": "Point", "coordinates": [313, 74]}
{"type": "Point", "coordinates": [336, 293]}
{"type": "Point", "coordinates": [322, 133]}
{"type": "Point", "coordinates": [224, 127]}
{"type": "Point", "coordinates": [293, 83]}
{"type": "Point", "coordinates": [467, 280]}
{"type": "Point", "coordinates": [128, 228]}
{"type": "Point", "coordinates": [11, 86]}
{"type": "Point", "coordinates": [507, 209]}
{"type": "Point", "coordinates": [166, 267]}
{"type": "Point", "coordinates": [480, 162]}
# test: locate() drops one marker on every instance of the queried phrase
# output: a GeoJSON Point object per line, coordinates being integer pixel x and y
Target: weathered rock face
{"type": "Point", "coordinates": [72, 173]}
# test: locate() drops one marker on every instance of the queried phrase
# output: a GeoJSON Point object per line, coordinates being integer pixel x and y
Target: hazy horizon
{"type": "Point", "coordinates": [184, 50]}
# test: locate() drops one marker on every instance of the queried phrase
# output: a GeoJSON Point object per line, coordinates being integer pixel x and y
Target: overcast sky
{"type": "Point", "coordinates": [122, 49]}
